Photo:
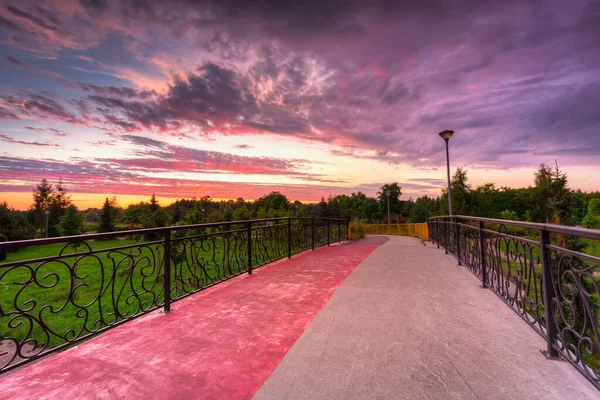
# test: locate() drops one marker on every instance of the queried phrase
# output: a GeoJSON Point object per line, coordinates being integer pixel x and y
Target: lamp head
{"type": "Point", "coordinates": [388, 192]}
{"type": "Point", "coordinates": [446, 135]}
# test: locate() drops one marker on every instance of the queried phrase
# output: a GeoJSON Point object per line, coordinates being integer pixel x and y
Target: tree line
{"type": "Point", "coordinates": [549, 199]}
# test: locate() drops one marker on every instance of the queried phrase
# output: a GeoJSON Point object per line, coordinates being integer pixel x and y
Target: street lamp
{"type": "Point", "coordinates": [446, 135]}
{"type": "Point", "coordinates": [47, 215]}
{"type": "Point", "coordinates": [387, 193]}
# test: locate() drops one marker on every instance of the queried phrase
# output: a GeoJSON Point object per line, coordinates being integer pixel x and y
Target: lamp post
{"type": "Point", "coordinates": [47, 215]}
{"type": "Point", "coordinates": [446, 135]}
{"type": "Point", "coordinates": [387, 193]}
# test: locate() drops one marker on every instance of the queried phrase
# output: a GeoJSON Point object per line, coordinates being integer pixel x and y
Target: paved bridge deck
{"type": "Point", "coordinates": [393, 320]}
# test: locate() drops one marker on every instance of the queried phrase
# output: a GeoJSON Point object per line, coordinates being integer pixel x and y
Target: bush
{"type": "Point", "coordinates": [357, 231]}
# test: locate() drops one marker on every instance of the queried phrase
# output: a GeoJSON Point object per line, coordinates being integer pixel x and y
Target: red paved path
{"type": "Point", "coordinates": [220, 343]}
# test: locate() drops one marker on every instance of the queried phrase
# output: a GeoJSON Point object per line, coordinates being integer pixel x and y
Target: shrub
{"type": "Point", "coordinates": [357, 231]}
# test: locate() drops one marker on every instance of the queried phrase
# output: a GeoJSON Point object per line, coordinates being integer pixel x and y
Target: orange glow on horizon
{"type": "Point", "coordinates": [22, 201]}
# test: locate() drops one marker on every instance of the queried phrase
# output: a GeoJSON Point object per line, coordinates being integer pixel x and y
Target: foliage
{"type": "Point", "coordinates": [394, 198]}
{"type": "Point", "coordinates": [53, 199]}
{"type": "Point", "coordinates": [357, 231]}
{"type": "Point", "coordinates": [548, 200]}
{"type": "Point", "coordinates": [14, 224]}
{"type": "Point", "coordinates": [422, 210]}
{"type": "Point", "coordinates": [107, 216]}
{"type": "Point", "coordinates": [462, 199]}
{"type": "Point", "coordinates": [155, 217]}
{"type": "Point", "coordinates": [509, 215]}
{"type": "Point", "coordinates": [42, 195]}
{"type": "Point", "coordinates": [592, 217]}
{"type": "Point", "coordinates": [272, 201]}
{"type": "Point", "coordinates": [72, 223]}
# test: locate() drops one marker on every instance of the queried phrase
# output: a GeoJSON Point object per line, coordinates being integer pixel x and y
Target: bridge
{"type": "Point", "coordinates": [380, 317]}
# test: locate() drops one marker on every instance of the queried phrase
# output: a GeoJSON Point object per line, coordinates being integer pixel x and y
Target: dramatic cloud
{"type": "Point", "coordinates": [158, 156]}
{"type": "Point", "coordinates": [371, 82]}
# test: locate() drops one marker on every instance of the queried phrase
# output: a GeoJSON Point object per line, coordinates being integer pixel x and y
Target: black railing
{"type": "Point", "coordinates": [59, 291]}
{"type": "Point", "coordinates": [530, 266]}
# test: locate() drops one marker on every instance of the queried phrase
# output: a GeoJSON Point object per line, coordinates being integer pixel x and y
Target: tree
{"type": "Point", "coordinates": [395, 193]}
{"type": "Point", "coordinates": [72, 223]}
{"type": "Point", "coordinates": [14, 224]}
{"type": "Point", "coordinates": [592, 217]}
{"type": "Point", "coordinates": [42, 195]}
{"type": "Point", "coordinates": [107, 216]}
{"type": "Point", "coordinates": [59, 201]}
{"type": "Point", "coordinates": [134, 213]}
{"type": "Point", "coordinates": [241, 214]}
{"type": "Point", "coordinates": [461, 194]}
{"type": "Point", "coordinates": [274, 200]}
{"type": "Point", "coordinates": [542, 193]}
{"type": "Point", "coordinates": [41, 200]}
{"type": "Point", "coordinates": [486, 201]}
{"type": "Point", "coordinates": [420, 211]}
{"type": "Point", "coordinates": [509, 215]}
{"type": "Point", "coordinates": [153, 204]}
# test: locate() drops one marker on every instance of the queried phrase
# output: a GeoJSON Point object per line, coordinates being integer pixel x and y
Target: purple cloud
{"type": "Point", "coordinates": [518, 81]}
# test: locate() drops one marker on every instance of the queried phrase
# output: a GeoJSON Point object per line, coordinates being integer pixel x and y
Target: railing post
{"type": "Point", "coordinates": [249, 229]}
{"type": "Point", "coordinates": [312, 232]}
{"type": "Point", "coordinates": [457, 226]}
{"type": "Point", "coordinates": [548, 288]}
{"type": "Point", "coordinates": [339, 225]}
{"type": "Point", "coordinates": [167, 270]}
{"type": "Point", "coordinates": [328, 239]}
{"type": "Point", "coordinates": [446, 237]}
{"type": "Point", "coordinates": [347, 229]}
{"type": "Point", "coordinates": [429, 228]}
{"type": "Point", "coordinates": [483, 256]}
{"type": "Point", "coordinates": [289, 238]}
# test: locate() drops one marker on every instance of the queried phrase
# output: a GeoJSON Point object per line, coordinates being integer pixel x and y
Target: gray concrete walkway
{"type": "Point", "coordinates": [409, 323]}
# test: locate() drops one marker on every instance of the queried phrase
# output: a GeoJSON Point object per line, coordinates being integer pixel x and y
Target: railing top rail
{"type": "Point", "coordinates": [108, 235]}
{"type": "Point", "coordinates": [568, 230]}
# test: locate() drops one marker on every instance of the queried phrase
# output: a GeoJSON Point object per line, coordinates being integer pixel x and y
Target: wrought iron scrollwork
{"type": "Point", "coordinates": [576, 304]}
{"type": "Point", "coordinates": [514, 268]}
{"type": "Point", "coordinates": [52, 302]}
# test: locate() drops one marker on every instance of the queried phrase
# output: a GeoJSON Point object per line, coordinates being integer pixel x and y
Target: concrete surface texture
{"type": "Point", "coordinates": [409, 323]}
{"type": "Point", "coordinates": [221, 343]}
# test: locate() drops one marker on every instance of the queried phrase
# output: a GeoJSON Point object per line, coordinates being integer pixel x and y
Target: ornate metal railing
{"type": "Point", "coordinates": [542, 272]}
{"type": "Point", "coordinates": [61, 291]}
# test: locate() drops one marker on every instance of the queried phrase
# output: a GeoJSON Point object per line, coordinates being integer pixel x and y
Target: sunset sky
{"type": "Point", "coordinates": [311, 98]}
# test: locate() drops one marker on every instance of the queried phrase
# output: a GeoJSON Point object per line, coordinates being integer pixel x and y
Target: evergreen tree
{"type": "Point", "coordinates": [59, 201]}
{"type": "Point", "coordinates": [107, 217]}
{"type": "Point", "coordinates": [41, 200]}
{"type": "Point", "coordinates": [41, 195]}
{"type": "Point", "coordinates": [72, 223]}
{"type": "Point", "coordinates": [153, 204]}
{"type": "Point", "coordinates": [592, 217]}
{"type": "Point", "coordinates": [542, 193]}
